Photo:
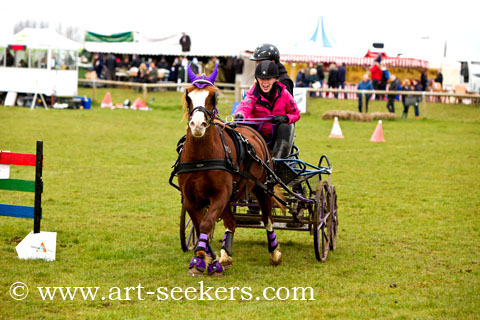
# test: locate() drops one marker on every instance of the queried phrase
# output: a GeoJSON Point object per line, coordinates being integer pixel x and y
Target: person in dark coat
{"type": "Point", "coordinates": [424, 80]}
{"type": "Point", "coordinates": [333, 77]}
{"type": "Point", "coordinates": [185, 42]}
{"type": "Point", "coordinates": [111, 65]}
{"type": "Point", "coordinates": [320, 74]}
{"type": "Point", "coordinates": [439, 78]}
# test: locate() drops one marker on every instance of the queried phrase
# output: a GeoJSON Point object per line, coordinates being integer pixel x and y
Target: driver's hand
{"type": "Point", "coordinates": [280, 119]}
{"type": "Point", "coordinates": [239, 116]}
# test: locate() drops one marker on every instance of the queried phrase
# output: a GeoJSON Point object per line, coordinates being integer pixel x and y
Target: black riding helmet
{"type": "Point", "coordinates": [266, 70]}
{"type": "Point", "coordinates": [266, 51]}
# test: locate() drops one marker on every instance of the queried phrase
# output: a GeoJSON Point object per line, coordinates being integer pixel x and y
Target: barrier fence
{"type": "Point", "coordinates": [349, 92]}
{"type": "Point", "coordinates": [36, 186]}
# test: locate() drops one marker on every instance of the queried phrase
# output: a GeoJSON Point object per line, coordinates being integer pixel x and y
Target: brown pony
{"type": "Point", "coordinates": [207, 179]}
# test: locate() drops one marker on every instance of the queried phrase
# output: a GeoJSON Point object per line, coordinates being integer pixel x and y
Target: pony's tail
{"type": "Point", "coordinates": [278, 191]}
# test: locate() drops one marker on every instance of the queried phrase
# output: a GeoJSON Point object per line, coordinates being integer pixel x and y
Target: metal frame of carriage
{"type": "Point", "coordinates": [308, 205]}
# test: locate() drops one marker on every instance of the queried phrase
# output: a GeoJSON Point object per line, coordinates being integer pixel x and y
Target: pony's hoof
{"type": "Point", "coordinates": [194, 272]}
{"type": "Point", "coordinates": [215, 269]}
{"type": "Point", "coordinates": [225, 260]}
{"type": "Point", "coordinates": [275, 257]}
{"type": "Point", "coordinates": [196, 267]}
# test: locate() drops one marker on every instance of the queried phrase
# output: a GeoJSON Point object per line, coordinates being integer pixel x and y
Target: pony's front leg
{"type": "Point", "coordinates": [204, 255]}
{"type": "Point", "coordinates": [226, 252]}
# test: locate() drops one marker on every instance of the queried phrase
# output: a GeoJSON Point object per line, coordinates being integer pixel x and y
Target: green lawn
{"type": "Point", "coordinates": [409, 233]}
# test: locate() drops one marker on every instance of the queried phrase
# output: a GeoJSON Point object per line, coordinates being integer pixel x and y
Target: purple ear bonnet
{"type": "Point", "coordinates": [202, 81]}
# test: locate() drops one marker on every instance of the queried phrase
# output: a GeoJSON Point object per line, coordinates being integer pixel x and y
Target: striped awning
{"type": "Point", "coordinates": [389, 61]}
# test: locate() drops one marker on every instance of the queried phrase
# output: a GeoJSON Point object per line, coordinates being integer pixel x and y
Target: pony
{"type": "Point", "coordinates": [211, 175]}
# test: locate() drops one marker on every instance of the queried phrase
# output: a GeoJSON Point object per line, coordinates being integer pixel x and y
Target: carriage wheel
{"type": "Point", "coordinates": [188, 236]}
{"type": "Point", "coordinates": [334, 220]}
{"type": "Point", "coordinates": [321, 232]}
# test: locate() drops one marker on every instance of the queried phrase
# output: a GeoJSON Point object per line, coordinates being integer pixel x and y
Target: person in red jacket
{"type": "Point", "coordinates": [269, 98]}
{"type": "Point", "coordinates": [376, 75]}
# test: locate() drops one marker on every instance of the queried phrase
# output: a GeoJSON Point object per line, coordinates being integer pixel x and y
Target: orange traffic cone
{"type": "Point", "coordinates": [107, 101]}
{"type": "Point", "coordinates": [336, 130]}
{"type": "Point", "coordinates": [378, 133]}
{"type": "Point", "coordinates": [138, 104]}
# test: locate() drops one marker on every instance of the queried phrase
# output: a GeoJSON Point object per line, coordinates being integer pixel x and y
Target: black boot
{"type": "Point", "coordinates": [280, 149]}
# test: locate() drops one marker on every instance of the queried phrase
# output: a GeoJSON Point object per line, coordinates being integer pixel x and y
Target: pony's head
{"type": "Point", "coordinates": [201, 102]}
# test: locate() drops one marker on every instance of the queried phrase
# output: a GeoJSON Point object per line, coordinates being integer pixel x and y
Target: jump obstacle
{"type": "Point", "coordinates": [23, 159]}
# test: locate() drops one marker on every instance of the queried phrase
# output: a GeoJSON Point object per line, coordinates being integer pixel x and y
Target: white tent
{"type": "Point", "coordinates": [42, 39]}
{"type": "Point", "coordinates": [48, 63]}
{"type": "Point", "coordinates": [202, 45]}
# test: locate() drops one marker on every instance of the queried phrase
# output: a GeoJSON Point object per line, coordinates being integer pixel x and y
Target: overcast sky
{"type": "Point", "coordinates": [401, 24]}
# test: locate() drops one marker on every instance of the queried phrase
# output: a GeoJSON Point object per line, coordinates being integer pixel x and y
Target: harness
{"type": "Point", "coordinates": [245, 155]}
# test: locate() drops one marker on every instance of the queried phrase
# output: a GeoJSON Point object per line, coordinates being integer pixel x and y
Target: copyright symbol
{"type": "Point", "coordinates": [18, 291]}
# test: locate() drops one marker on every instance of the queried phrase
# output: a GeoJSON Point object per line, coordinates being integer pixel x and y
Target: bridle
{"type": "Point", "coordinates": [209, 116]}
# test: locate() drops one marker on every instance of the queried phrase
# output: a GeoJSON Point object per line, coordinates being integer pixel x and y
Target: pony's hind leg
{"type": "Point", "coordinates": [226, 252]}
{"type": "Point", "coordinates": [267, 218]}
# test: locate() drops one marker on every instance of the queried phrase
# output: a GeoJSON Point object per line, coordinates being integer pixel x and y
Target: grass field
{"type": "Point", "coordinates": [409, 233]}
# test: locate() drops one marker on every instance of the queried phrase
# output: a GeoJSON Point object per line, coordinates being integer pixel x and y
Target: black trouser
{"type": "Point", "coordinates": [390, 104]}
{"type": "Point", "coordinates": [282, 140]}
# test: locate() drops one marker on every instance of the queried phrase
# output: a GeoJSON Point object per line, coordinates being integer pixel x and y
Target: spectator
{"type": "Point", "coordinates": [439, 78]}
{"type": "Point", "coordinates": [98, 65]}
{"type": "Point", "coordinates": [301, 80]}
{"type": "Point", "coordinates": [417, 87]}
{"type": "Point", "coordinates": [376, 74]}
{"type": "Point", "coordinates": [10, 59]}
{"type": "Point", "coordinates": [342, 72]}
{"type": "Point", "coordinates": [174, 70]}
{"type": "Point", "coordinates": [163, 64]}
{"type": "Point", "coordinates": [152, 73]}
{"type": "Point", "coordinates": [409, 100]}
{"type": "Point", "coordinates": [111, 66]}
{"type": "Point", "coordinates": [424, 80]}
{"type": "Point", "coordinates": [320, 74]}
{"type": "Point", "coordinates": [333, 77]}
{"type": "Point", "coordinates": [270, 52]}
{"type": "Point", "coordinates": [383, 81]}
{"type": "Point", "coordinates": [142, 73]}
{"type": "Point", "coordinates": [136, 61]}
{"type": "Point", "coordinates": [313, 81]}
{"type": "Point", "coordinates": [394, 86]}
{"type": "Point", "coordinates": [163, 69]}
{"type": "Point", "coordinates": [365, 84]}
{"type": "Point", "coordinates": [185, 42]}
{"type": "Point", "coordinates": [210, 66]}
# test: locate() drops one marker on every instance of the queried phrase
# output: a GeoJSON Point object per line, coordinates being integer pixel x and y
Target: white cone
{"type": "Point", "coordinates": [336, 130]}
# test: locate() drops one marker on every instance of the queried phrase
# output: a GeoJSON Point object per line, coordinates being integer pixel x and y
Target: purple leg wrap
{"type": "Point", "coordinates": [198, 263]}
{"type": "Point", "coordinates": [202, 242]}
{"type": "Point", "coordinates": [272, 241]}
{"type": "Point", "coordinates": [214, 267]}
{"type": "Point", "coordinates": [204, 245]}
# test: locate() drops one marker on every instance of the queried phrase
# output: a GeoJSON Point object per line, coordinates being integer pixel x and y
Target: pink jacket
{"type": "Point", "coordinates": [256, 106]}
